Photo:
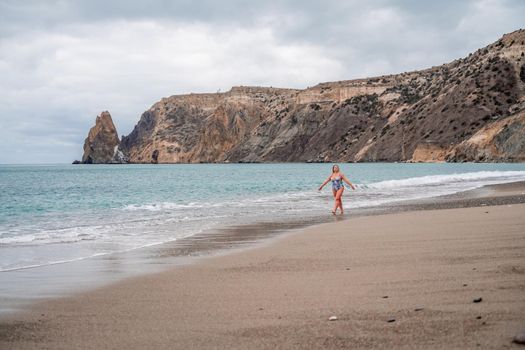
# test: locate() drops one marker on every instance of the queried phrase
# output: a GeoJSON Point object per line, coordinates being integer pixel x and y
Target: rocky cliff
{"type": "Point", "coordinates": [471, 109]}
{"type": "Point", "coordinates": [101, 144]}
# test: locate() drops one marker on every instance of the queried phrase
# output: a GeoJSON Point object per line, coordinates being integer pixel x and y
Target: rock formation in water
{"type": "Point", "coordinates": [471, 109]}
{"type": "Point", "coordinates": [102, 143]}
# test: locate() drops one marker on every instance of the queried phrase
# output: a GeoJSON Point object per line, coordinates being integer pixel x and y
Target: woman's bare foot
{"type": "Point", "coordinates": [333, 212]}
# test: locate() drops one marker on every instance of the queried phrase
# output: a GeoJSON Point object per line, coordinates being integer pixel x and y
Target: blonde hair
{"type": "Point", "coordinates": [333, 168]}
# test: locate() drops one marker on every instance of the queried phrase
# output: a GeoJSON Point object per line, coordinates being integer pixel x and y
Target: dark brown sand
{"type": "Point", "coordinates": [419, 269]}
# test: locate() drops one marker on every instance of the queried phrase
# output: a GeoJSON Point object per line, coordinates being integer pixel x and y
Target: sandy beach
{"type": "Point", "coordinates": [403, 280]}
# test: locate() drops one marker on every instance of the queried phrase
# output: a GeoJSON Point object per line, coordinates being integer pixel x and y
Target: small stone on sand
{"type": "Point", "coordinates": [464, 285]}
{"type": "Point", "coordinates": [390, 320]}
{"type": "Point", "coordinates": [332, 318]}
{"type": "Point", "coordinates": [478, 318]}
{"type": "Point", "coordinates": [477, 300]}
{"type": "Point", "coordinates": [347, 268]}
{"type": "Point", "coordinates": [418, 309]}
{"type": "Point", "coordinates": [519, 338]}
{"type": "Point", "coordinates": [384, 296]}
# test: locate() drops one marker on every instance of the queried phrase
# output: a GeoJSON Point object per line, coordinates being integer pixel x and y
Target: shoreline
{"type": "Point", "coordinates": [291, 261]}
{"type": "Point", "coordinates": [62, 279]}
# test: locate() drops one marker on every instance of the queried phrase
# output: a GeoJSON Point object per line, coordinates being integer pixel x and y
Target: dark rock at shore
{"type": "Point", "coordinates": [519, 338]}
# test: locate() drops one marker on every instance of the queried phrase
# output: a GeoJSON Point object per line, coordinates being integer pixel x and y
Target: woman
{"type": "Point", "coordinates": [338, 188]}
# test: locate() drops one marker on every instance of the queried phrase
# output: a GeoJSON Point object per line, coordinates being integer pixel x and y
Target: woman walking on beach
{"type": "Point", "coordinates": [338, 188]}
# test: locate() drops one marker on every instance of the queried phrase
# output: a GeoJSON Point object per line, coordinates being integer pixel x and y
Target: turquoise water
{"type": "Point", "coordinates": [58, 213]}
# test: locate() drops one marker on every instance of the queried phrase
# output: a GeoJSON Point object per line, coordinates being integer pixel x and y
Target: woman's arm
{"type": "Point", "coordinates": [347, 181]}
{"type": "Point", "coordinates": [325, 182]}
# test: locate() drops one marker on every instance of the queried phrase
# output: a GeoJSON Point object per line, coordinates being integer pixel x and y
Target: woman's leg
{"type": "Point", "coordinates": [335, 201]}
{"type": "Point", "coordinates": [339, 199]}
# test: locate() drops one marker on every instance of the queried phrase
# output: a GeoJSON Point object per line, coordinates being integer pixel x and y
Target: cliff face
{"type": "Point", "coordinates": [101, 144]}
{"type": "Point", "coordinates": [503, 140]}
{"type": "Point", "coordinates": [471, 109]}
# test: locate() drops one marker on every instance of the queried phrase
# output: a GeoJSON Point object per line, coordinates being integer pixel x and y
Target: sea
{"type": "Point", "coordinates": [62, 215]}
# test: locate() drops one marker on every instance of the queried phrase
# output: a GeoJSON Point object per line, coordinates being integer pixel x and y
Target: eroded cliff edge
{"type": "Point", "coordinates": [471, 109]}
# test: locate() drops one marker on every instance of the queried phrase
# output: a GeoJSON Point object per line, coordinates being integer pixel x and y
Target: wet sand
{"type": "Point", "coordinates": [420, 268]}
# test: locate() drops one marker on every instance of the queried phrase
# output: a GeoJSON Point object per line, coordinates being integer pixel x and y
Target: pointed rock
{"type": "Point", "coordinates": [102, 143]}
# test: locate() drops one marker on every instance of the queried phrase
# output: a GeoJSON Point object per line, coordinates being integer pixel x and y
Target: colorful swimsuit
{"type": "Point", "coordinates": [337, 183]}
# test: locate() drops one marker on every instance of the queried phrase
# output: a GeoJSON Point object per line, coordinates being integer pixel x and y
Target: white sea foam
{"type": "Point", "coordinates": [163, 206]}
{"type": "Point", "coordinates": [500, 176]}
{"type": "Point", "coordinates": [47, 237]}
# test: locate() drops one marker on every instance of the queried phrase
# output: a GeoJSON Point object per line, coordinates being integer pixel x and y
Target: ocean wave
{"type": "Point", "coordinates": [120, 228]}
{"type": "Point", "coordinates": [269, 200]}
{"type": "Point", "coordinates": [163, 206]}
{"type": "Point", "coordinates": [504, 176]}
{"type": "Point", "coordinates": [69, 235]}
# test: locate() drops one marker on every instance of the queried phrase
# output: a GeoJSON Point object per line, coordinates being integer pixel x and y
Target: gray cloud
{"type": "Point", "coordinates": [62, 62]}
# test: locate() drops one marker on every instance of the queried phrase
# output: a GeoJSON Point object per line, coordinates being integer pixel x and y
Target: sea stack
{"type": "Point", "coordinates": [102, 143]}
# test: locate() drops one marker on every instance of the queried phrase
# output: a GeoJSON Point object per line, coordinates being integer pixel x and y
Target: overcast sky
{"type": "Point", "coordinates": [63, 62]}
